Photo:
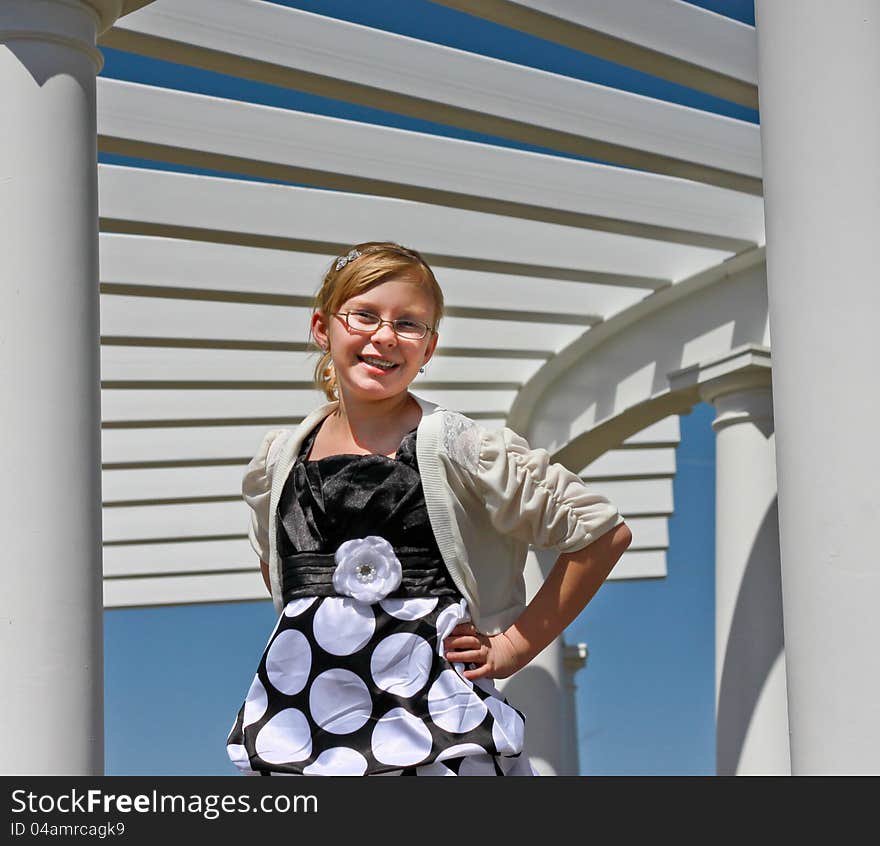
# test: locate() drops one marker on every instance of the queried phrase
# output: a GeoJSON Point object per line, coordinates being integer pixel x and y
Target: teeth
{"type": "Point", "coordinates": [378, 362]}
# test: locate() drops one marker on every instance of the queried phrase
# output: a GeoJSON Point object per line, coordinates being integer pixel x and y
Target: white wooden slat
{"type": "Point", "coordinates": [171, 483]}
{"type": "Point", "coordinates": [186, 557]}
{"type": "Point", "coordinates": [212, 126]}
{"type": "Point", "coordinates": [160, 317]}
{"type": "Point", "coordinates": [123, 363]}
{"type": "Point", "coordinates": [186, 443]}
{"type": "Point", "coordinates": [180, 263]}
{"type": "Point", "coordinates": [213, 365]}
{"type": "Point", "coordinates": [648, 532]}
{"type": "Point", "coordinates": [638, 497]}
{"type": "Point", "coordinates": [303, 43]}
{"type": "Point", "coordinates": [249, 209]}
{"type": "Point", "coordinates": [176, 262]}
{"type": "Point", "coordinates": [143, 404]}
{"type": "Point", "coordinates": [632, 462]}
{"type": "Point", "coordinates": [665, 431]}
{"type": "Point", "coordinates": [181, 590]}
{"type": "Point", "coordinates": [640, 564]}
{"type": "Point", "coordinates": [159, 404]}
{"type": "Point", "coordinates": [685, 31]}
{"type": "Point", "coordinates": [185, 520]}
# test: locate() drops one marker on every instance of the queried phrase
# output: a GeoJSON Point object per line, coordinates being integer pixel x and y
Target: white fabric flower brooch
{"type": "Point", "coordinates": [366, 569]}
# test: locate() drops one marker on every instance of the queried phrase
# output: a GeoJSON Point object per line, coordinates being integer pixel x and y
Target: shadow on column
{"type": "Point", "coordinates": [40, 61]}
{"type": "Point", "coordinates": [534, 686]}
{"type": "Point", "coordinates": [756, 641]}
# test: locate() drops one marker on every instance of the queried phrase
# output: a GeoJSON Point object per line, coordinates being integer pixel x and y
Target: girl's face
{"type": "Point", "coordinates": [380, 364]}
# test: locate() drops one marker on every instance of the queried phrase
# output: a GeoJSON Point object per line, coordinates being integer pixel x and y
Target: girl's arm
{"type": "Point", "coordinates": [572, 583]}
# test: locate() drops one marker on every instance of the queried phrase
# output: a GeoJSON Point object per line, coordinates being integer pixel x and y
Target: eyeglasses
{"type": "Point", "coordinates": [367, 322]}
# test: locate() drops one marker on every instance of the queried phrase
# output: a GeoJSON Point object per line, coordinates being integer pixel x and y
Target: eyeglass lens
{"type": "Point", "coordinates": [364, 321]}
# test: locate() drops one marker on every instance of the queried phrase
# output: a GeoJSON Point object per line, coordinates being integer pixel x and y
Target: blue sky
{"type": "Point", "coordinates": [175, 676]}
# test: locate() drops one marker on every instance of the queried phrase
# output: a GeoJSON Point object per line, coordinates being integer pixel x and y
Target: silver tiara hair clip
{"type": "Point", "coordinates": [344, 260]}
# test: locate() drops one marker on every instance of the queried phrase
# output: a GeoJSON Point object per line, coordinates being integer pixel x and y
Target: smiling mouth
{"type": "Point", "coordinates": [380, 363]}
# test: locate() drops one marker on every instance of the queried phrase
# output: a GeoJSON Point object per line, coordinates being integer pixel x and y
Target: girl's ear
{"type": "Point", "coordinates": [432, 345]}
{"type": "Point", "coordinates": [319, 330]}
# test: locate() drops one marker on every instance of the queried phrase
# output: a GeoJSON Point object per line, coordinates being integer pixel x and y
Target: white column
{"type": "Point", "coordinates": [50, 496]}
{"type": "Point", "coordinates": [819, 73]}
{"type": "Point", "coordinates": [750, 690]}
{"type": "Point", "coordinates": [574, 660]}
{"type": "Point", "coordinates": [539, 690]}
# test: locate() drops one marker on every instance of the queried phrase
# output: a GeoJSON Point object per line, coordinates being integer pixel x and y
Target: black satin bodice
{"type": "Point", "coordinates": [343, 497]}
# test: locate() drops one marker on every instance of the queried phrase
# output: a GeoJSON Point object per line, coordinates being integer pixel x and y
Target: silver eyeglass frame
{"type": "Point", "coordinates": [345, 316]}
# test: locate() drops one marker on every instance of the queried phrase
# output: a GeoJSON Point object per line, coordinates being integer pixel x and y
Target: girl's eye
{"type": "Point", "coordinates": [405, 325]}
{"type": "Point", "coordinates": [362, 320]}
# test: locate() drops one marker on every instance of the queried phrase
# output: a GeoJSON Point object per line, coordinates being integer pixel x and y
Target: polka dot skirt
{"type": "Point", "coordinates": [350, 688]}
{"type": "Point", "coordinates": [346, 688]}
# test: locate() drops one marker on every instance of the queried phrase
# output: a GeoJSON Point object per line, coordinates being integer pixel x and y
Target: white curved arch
{"type": "Point", "coordinates": [613, 380]}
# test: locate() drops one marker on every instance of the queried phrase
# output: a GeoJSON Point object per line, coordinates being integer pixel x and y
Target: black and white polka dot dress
{"type": "Point", "coordinates": [348, 686]}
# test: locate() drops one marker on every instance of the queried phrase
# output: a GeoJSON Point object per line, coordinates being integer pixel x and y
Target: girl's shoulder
{"type": "Point", "coordinates": [461, 439]}
{"type": "Point", "coordinates": [257, 475]}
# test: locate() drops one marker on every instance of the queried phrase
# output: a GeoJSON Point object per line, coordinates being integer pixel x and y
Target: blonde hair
{"type": "Point", "coordinates": [378, 262]}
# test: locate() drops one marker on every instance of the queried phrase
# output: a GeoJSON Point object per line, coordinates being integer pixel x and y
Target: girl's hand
{"type": "Point", "coordinates": [494, 655]}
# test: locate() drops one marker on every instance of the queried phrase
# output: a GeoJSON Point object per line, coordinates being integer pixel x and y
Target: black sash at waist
{"type": "Point", "coordinates": [311, 574]}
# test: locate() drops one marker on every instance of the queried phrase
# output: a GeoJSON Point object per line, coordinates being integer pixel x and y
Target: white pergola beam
{"type": "Point", "coordinates": [210, 132]}
{"type": "Point", "coordinates": [640, 564]}
{"type": "Point", "coordinates": [662, 433]}
{"type": "Point", "coordinates": [129, 261]}
{"type": "Point", "coordinates": [179, 590]}
{"type": "Point", "coordinates": [671, 39]}
{"type": "Point", "coordinates": [181, 521]}
{"type": "Point", "coordinates": [189, 556]}
{"type": "Point", "coordinates": [334, 58]}
{"type": "Point", "coordinates": [257, 213]}
{"type": "Point", "coordinates": [176, 405]}
{"type": "Point", "coordinates": [121, 448]}
{"type": "Point", "coordinates": [171, 483]}
{"type": "Point", "coordinates": [621, 463]}
{"type": "Point", "coordinates": [639, 497]}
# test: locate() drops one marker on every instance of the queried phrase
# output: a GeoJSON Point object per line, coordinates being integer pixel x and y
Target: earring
{"type": "Point", "coordinates": [421, 370]}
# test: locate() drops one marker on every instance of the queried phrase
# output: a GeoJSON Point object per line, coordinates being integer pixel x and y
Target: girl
{"type": "Point", "coordinates": [392, 535]}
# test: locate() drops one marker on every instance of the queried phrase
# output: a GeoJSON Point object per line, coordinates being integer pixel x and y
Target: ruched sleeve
{"type": "Point", "coordinates": [526, 496]}
{"type": "Point", "coordinates": [256, 487]}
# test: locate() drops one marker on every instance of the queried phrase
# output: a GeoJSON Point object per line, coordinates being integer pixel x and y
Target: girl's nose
{"type": "Point", "coordinates": [385, 333]}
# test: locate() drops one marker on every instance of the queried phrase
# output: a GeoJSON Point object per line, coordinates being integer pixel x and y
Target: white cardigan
{"type": "Point", "coordinates": [488, 496]}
